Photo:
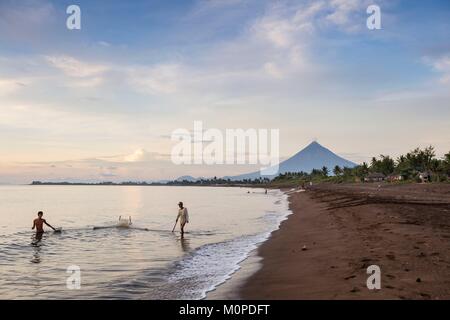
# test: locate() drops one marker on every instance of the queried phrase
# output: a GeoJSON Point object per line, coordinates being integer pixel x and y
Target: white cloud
{"type": "Point", "coordinates": [273, 70]}
{"type": "Point", "coordinates": [270, 65]}
{"type": "Point", "coordinates": [272, 48]}
{"type": "Point", "coordinates": [344, 14]}
{"type": "Point", "coordinates": [75, 68]}
{"type": "Point", "coordinates": [342, 11]}
{"type": "Point", "coordinates": [53, 120]}
{"type": "Point", "coordinates": [104, 44]}
{"type": "Point", "coordinates": [283, 26]}
{"type": "Point", "coordinates": [9, 86]}
{"type": "Point", "coordinates": [442, 66]}
{"type": "Point", "coordinates": [158, 79]}
{"type": "Point", "coordinates": [139, 155]}
{"type": "Point", "coordinates": [80, 74]}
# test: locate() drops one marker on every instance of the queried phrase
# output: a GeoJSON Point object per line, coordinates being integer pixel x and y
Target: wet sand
{"type": "Point", "coordinates": [404, 229]}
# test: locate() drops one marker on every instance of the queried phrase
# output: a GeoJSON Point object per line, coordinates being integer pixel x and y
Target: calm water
{"type": "Point", "coordinates": [226, 224]}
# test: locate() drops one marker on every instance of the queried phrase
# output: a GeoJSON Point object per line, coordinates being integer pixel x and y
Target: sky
{"type": "Point", "coordinates": [101, 103]}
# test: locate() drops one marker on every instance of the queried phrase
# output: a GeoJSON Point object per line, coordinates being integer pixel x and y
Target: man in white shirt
{"type": "Point", "coordinates": [183, 216]}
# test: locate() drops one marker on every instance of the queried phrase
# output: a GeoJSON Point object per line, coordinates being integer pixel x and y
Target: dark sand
{"type": "Point", "coordinates": [404, 229]}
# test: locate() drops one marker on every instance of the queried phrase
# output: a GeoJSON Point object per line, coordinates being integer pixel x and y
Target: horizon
{"type": "Point", "coordinates": [100, 103]}
{"type": "Point", "coordinates": [197, 178]}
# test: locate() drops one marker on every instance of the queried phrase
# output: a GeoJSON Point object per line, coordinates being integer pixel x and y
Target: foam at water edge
{"type": "Point", "coordinates": [211, 265]}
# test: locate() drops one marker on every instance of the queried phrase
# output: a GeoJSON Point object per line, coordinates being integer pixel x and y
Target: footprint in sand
{"type": "Point", "coordinates": [425, 295]}
{"type": "Point", "coordinates": [421, 255]}
{"type": "Point", "coordinates": [434, 254]}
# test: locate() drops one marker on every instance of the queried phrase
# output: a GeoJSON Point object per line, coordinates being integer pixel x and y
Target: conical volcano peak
{"type": "Point", "coordinates": [314, 144]}
{"type": "Point", "coordinates": [313, 156]}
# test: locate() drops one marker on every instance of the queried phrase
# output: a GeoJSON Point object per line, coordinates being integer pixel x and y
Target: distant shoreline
{"type": "Point", "coordinates": [143, 184]}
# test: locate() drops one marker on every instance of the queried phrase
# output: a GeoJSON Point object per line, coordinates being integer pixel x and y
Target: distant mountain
{"type": "Point", "coordinates": [165, 181]}
{"type": "Point", "coordinates": [314, 156]}
{"type": "Point", "coordinates": [186, 178]}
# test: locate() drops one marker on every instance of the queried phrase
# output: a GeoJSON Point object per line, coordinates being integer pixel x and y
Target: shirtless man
{"type": "Point", "coordinates": [39, 223]}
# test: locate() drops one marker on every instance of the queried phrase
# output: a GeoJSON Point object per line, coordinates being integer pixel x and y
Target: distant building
{"type": "Point", "coordinates": [395, 177]}
{"type": "Point", "coordinates": [375, 177]}
{"type": "Point", "coordinates": [425, 176]}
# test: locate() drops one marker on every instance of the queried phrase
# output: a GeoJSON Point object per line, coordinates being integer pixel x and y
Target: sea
{"type": "Point", "coordinates": [145, 261]}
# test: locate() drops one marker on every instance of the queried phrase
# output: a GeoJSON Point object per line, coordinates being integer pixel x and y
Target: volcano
{"type": "Point", "coordinates": [314, 156]}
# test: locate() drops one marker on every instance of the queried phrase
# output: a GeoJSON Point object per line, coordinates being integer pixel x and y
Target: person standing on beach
{"type": "Point", "coordinates": [183, 216]}
{"type": "Point", "coordinates": [38, 223]}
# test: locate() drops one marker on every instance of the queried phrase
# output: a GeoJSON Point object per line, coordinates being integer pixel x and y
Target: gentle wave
{"type": "Point", "coordinates": [211, 265]}
{"type": "Point", "coordinates": [122, 263]}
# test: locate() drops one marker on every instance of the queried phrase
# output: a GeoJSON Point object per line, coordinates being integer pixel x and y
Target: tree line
{"type": "Point", "coordinates": [405, 167]}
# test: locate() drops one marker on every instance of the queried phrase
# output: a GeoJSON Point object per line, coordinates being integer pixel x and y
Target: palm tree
{"type": "Point", "coordinates": [337, 171]}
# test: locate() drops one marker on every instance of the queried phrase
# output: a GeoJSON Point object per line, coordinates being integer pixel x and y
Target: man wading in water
{"type": "Point", "coordinates": [183, 216]}
{"type": "Point", "coordinates": [38, 224]}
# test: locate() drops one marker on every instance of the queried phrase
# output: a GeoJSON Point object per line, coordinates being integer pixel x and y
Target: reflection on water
{"type": "Point", "coordinates": [37, 238]}
{"type": "Point", "coordinates": [36, 252]}
{"type": "Point", "coordinates": [184, 244]}
{"type": "Point", "coordinates": [128, 263]}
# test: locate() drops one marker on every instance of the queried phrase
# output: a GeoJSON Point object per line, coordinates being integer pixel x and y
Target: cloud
{"type": "Point", "coordinates": [271, 52]}
{"type": "Point", "coordinates": [104, 44]}
{"type": "Point", "coordinates": [157, 79]}
{"type": "Point", "coordinates": [9, 86]}
{"type": "Point", "coordinates": [75, 68]}
{"type": "Point", "coordinates": [282, 26]}
{"type": "Point", "coordinates": [203, 6]}
{"type": "Point", "coordinates": [52, 122]}
{"type": "Point", "coordinates": [108, 172]}
{"type": "Point", "coordinates": [252, 63]}
{"type": "Point", "coordinates": [138, 156]}
{"type": "Point", "coordinates": [342, 11]}
{"type": "Point", "coordinates": [80, 74]}
{"type": "Point", "coordinates": [442, 66]}
{"type": "Point", "coordinates": [273, 70]}
{"type": "Point", "coordinates": [25, 20]}
{"type": "Point", "coordinates": [274, 47]}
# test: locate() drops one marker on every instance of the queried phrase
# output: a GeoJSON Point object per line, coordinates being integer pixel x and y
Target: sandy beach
{"type": "Point", "coordinates": [404, 229]}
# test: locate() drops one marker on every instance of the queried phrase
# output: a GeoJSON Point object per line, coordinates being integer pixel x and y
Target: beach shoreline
{"type": "Point", "coordinates": [228, 289]}
{"type": "Point", "coordinates": [335, 232]}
